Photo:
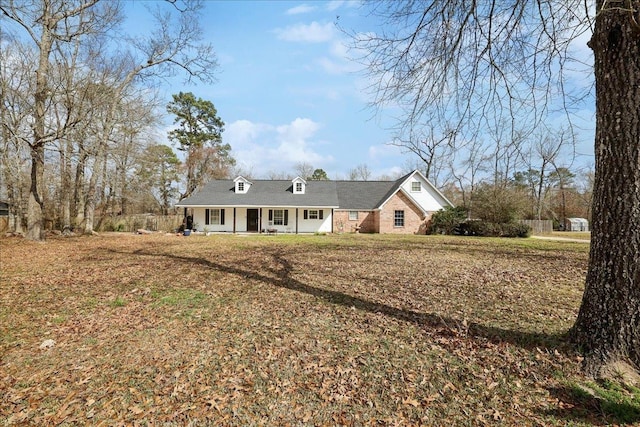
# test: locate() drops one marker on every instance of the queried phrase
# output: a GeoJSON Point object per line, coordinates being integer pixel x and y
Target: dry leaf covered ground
{"type": "Point", "coordinates": [292, 330]}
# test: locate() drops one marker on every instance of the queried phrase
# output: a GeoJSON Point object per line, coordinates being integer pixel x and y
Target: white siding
{"type": "Point", "coordinates": [241, 219]}
{"type": "Point", "coordinates": [199, 221]}
{"type": "Point", "coordinates": [304, 225]}
{"type": "Point", "coordinates": [428, 199]}
{"type": "Point", "coordinates": [314, 225]}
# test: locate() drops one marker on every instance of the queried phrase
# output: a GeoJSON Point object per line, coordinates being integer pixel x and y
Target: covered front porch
{"type": "Point", "coordinates": [266, 219]}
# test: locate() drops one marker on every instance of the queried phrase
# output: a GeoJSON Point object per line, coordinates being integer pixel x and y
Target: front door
{"type": "Point", "coordinates": [252, 219]}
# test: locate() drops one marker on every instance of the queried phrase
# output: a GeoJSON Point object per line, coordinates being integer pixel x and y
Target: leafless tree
{"type": "Point", "coordinates": [16, 72]}
{"type": "Point", "coordinates": [465, 168]}
{"type": "Point", "coordinates": [49, 23]}
{"type": "Point", "coordinates": [360, 173]}
{"type": "Point", "coordinates": [544, 153]}
{"type": "Point", "coordinates": [54, 27]}
{"type": "Point", "coordinates": [304, 169]}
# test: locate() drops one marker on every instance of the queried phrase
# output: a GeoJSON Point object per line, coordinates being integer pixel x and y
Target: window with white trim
{"type": "Point", "coordinates": [416, 186]}
{"type": "Point", "coordinates": [240, 187]}
{"type": "Point", "coordinates": [313, 214]}
{"type": "Point", "coordinates": [214, 217]}
{"type": "Point", "coordinates": [298, 187]}
{"type": "Point", "coordinates": [353, 215]}
{"type": "Point", "coordinates": [398, 218]}
{"type": "Point", "coordinates": [278, 217]}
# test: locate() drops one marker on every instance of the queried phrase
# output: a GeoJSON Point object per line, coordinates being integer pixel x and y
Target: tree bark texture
{"type": "Point", "coordinates": [35, 213]}
{"type": "Point", "coordinates": [608, 324]}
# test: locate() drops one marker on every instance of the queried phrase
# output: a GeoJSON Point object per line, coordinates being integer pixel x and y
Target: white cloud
{"type": "Point", "coordinates": [336, 4]}
{"type": "Point", "coordinates": [299, 129]}
{"type": "Point", "coordinates": [340, 49]}
{"type": "Point", "coordinates": [303, 8]}
{"type": "Point", "coordinates": [337, 66]}
{"type": "Point", "coordinates": [383, 151]}
{"type": "Point", "coordinates": [312, 33]}
{"type": "Point", "coordinates": [244, 132]}
{"type": "Point", "coordinates": [264, 147]}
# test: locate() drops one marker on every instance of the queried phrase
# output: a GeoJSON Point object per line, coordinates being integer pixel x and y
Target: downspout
{"type": "Point", "coordinates": [234, 220]}
{"type": "Point", "coordinates": [297, 220]}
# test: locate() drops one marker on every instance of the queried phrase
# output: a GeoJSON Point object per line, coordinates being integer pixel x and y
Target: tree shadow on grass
{"type": "Point", "coordinates": [433, 323]}
{"type": "Point", "coordinates": [578, 405]}
{"type": "Point", "coordinates": [573, 406]}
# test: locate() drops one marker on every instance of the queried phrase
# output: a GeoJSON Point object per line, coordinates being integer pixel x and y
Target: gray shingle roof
{"type": "Point", "coordinates": [362, 195]}
{"type": "Point", "coordinates": [350, 195]}
{"type": "Point", "coordinates": [366, 195]}
{"type": "Point", "coordinates": [265, 193]}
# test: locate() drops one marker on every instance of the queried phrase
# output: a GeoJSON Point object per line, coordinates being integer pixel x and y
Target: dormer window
{"type": "Point", "coordinates": [299, 185]}
{"type": "Point", "coordinates": [242, 185]}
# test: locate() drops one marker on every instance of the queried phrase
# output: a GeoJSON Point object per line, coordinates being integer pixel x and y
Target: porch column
{"type": "Point", "coordinates": [234, 220]}
{"type": "Point", "coordinates": [332, 218]}
{"type": "Point", "coordinates": [296, 220]}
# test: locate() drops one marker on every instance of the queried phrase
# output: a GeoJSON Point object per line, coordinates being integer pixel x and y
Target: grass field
{"type": "Point", "coordinates": [581, 235]}
{"type": "Point", "coordinates": [296, 330]}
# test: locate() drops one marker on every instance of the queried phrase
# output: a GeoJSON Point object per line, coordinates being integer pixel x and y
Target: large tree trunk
{"type": "Point", "coordinates": [78, 204]}
{"type": "Point", "coordinates": [35, 204]}
{"type": "Point", "coordinates": [91, 198]}
{"type": "Point", "coordinates": [608, 324]}
{"type": "Point", "coordinates": [65, 185]}
{"type": "Point", "coordinates": [35, 212]}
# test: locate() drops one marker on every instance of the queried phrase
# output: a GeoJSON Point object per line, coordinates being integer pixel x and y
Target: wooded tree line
{"type": "Point", "coordinates": [524, 178]}
{"type": "Point", "coordinates": [79, 109]}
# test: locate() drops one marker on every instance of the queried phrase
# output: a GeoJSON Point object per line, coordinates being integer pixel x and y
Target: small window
{"type": "Point", "coordinates": [416, 186]}
{"type": "Point", "coordinates": [240, 187]}
{"type": "Point", "coordinates": [298, 187]}
{"type": "Point", "coordinates": [398, 219]}
{"type": "Point", "coordinates": [313, 214]}
{"type": "Point", "coordinates": [353, 215]}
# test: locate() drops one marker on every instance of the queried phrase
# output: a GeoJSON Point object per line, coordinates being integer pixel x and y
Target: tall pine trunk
{"type": "Point", "coordinates": [608, 324]}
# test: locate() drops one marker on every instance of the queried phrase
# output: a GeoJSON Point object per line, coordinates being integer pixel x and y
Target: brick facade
{"type": "Point", "coordinates": [383, 221]}
{"type": "Point", "coordinates": [414, 221]}
{"type": "Point", "coordinates": [368, 222]}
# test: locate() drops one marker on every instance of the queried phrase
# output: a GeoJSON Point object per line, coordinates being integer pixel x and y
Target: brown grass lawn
{"type": "Point", "coordinates": [293, 330]}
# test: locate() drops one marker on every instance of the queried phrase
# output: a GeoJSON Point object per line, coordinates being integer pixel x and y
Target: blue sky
{"type": "Point", "coordinates": [289, 92]}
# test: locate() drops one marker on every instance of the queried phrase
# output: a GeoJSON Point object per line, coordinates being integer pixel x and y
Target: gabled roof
{"type": "Point", "coordinates": [363, 195]}
{"type": "Point", "coordinates": [348, 195]}
{"type": "Point", "coordinates": [402, 180]}
{"type": "Point", "coordinates": [264, 193]}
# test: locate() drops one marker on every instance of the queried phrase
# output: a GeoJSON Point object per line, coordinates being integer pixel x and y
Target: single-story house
{"type": "Point", "coordinates": [301, 206]}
